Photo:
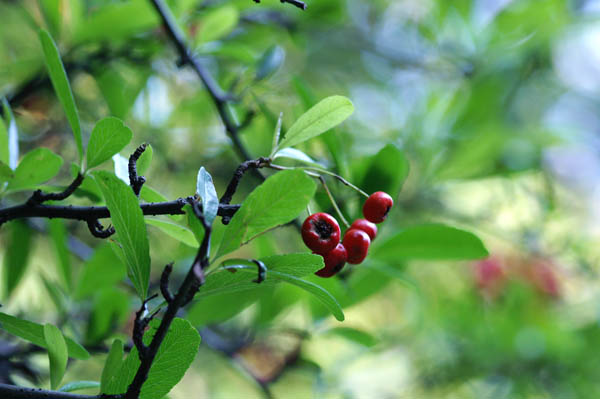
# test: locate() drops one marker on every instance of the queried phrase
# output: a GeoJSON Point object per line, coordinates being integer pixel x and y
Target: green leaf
{"type": "Point", "coordinates": [195, 224]}
{"type": "Point", "coordinates": [174, 357]}
{"type": "Point", "coordinates": [227, 279]}
{"type": "Point", "coordinates": [79, 385]}
{"type": "Point", "coordinates": [325, 115]}
{"type": "Point", "coordinates": [178, 232]}
{"type": "Point", "coordinates": [6, 173]}
{"type": "Point", "coordinates": [238, 275]}
{"type": "Point", "coordinates": [57, 354]}
{"type": "Point", "coordinates": [16, 257]}
{"type": "Point", "coordinates": [112, 365]}
{"type": "Point", "coordinates": [128, 219]}
{"type": "Point", "coordinates": [110, 135]}
{"type": "Point", "coordinates": [58, 76]}
{"type": "Point", "coordinates": [216, 24]}
{"type": "Point", "coordinates": [34, 333]}
{"type": "Point", "coordinates": [270, 61]}
{"type": "Point", "coordinates": [149, 194]}
{"type": "Point", "coordinates": [145, 159]}
{"type": "Point", "coordinates": [103, 269]}
{"type": "Point", "coordinates": [431, 241]}
{"type": "Point", "coordinates": [205, 188]}
{"type": "Point", "coordinates": [292, 153]}
{"type": "Point", "coordinates": [58, 233]}
{"type": "Point", "coordinates": [277, 201]}
{"type": "Point", "coordinates": [321, 294]}
{"type": "Point", "coordinates": [387, 171]}
{"type": "Point", "coordinates": [354, 335]}
{"type": "Point", "coordinates": [29, 174]}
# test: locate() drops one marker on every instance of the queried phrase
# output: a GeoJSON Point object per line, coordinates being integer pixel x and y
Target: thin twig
{"type": "Point", "coordinates": [188, 287]}
{"type": "Point", "coordinates": [136, 182]}
{"type": "Point", "coordinates": [39, 197]}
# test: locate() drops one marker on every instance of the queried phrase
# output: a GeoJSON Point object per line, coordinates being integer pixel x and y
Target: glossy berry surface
{"type": "Point", "coordinates": [357, 244]}
{"type": "Point", "coordinates": [377, 206]}
{"type": "Point", "coordinates": [334, 261]}
{"type": "Point", "coordinates": [366, 226]}
{"type": "Point", "coordinates": [321, 233]}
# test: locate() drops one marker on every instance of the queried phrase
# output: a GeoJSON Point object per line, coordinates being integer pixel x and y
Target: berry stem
{"type": "Point", "coordinates": [338, 177]}
{"type": "Point", "coordinates": [333, 202]}
{"type": "Point", "coordinates": [309, 170]}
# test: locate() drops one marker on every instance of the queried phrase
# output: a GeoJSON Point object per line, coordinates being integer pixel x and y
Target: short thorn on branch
{"type": "Point", "coordinates": [98, 230]}
{"type": "Point", "coordinates": [136, 181]}
{"type": "Point", "coordinates": [139, 326]}
{"type": "Point", "coordinates": [164, 283]}
{"type": "Point", "coordinates": [235, 180]}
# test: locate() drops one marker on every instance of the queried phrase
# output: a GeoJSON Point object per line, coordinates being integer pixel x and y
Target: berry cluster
{"type": "Point", "coordinates": [321, 233]}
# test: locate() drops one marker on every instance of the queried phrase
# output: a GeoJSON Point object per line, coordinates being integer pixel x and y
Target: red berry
{"type": "Point", "coordinates": [357, 244]}
{"type": "Point", "coordinates": [321, 233]}
{"type": "Point", "coordinates": [334, 261]}
{"type": "Point", "coordinates": [366, 226]}
{"type": "Point", "coordinates": [377, 207]}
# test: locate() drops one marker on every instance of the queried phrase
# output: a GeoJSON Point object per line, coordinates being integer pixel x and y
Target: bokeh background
{"type": "Point", "coordinates": [491, 106]}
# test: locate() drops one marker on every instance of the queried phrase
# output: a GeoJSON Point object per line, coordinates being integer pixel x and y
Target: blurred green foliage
{"type": "Point", "coordinates": [480, 115]}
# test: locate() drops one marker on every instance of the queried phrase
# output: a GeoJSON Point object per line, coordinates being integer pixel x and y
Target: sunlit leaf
{"type": "Point", "coordinates": [277, 201]}
{"type": "Point", "coordinates": [29, 174]}
{"type": "Point", "coordinates": [325, 115]}
{"type": "Point", "coordinates": [58, 76]}
{"type": "Point", "coordinates": [175, 355]}
{"type": "Point", "coordinates": [127, 217]}
{"type": "Point", "coordinates": [57, 354]}
{"type": "Point", "coordinates": [109, 136]}
{"type": "Point", "coordinates": [34, 333]}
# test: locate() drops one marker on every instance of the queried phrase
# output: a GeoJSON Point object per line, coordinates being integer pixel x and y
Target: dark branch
{"type": "Point", "coordinates": [220, 99]}
{"type": "Point", "coordinates": [139, 326]}
{"type": "Point", "coordinates": [39, 197]}
{"type": "Point", "coordinates": [191, 283]}
{"type": "Point", "coordinates": [237, 176]}
{"type": "Point", "coordinates": [136, 182]}
{"type": "Point", "coordinates": [15, 392]}
{"type": "Point", "coordinates": [86, 213]}
{"type": "Point", "coordinates": [164, 283]}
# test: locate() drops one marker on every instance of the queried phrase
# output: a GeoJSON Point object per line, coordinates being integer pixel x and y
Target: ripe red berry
{"type": "Point", "coordinates": [377, 206]}
{"type": "Point", "coordinates": [366, 226]}
{"type": "Point", "coordinates": [334, 261]}
{"type": "Point", "coordinates": [357, 244]}
{"type": "Point", "coordinates": [321, 233]}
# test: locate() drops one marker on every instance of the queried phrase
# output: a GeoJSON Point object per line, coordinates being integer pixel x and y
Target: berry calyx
{"type": "Point", "coordinates": [357, 244]}
{"type": "Point", "coordinates": [377, 206]}
{"type": "Point", "coordinates": [366, 226]}
{"type": "Point", "coordinates": [321, 232]}
{"type": "Point", "coordinates": [334, 261]}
